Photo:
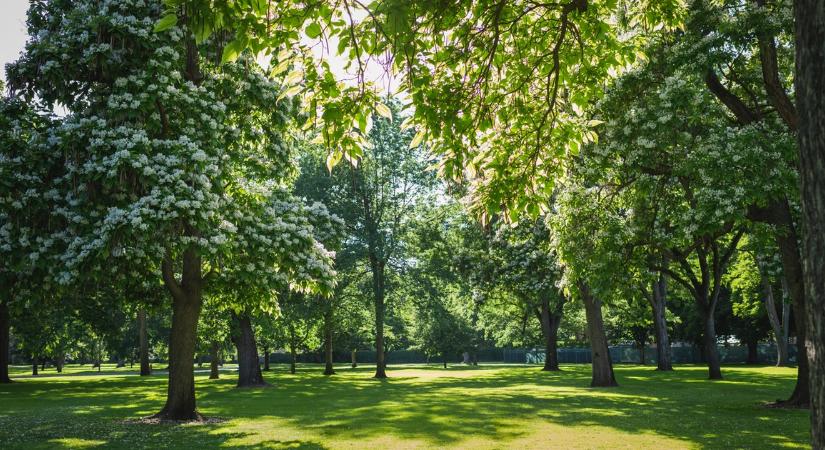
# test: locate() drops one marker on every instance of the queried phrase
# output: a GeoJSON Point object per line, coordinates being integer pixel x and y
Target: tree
{"type": "Point", "coordinates": [147, 187]}
{"type": "Point", "coordinates": [810, 103]}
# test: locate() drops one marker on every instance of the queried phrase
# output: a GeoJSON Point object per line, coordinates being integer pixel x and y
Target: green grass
{"type": "Point", "coordinates": [492, 406]}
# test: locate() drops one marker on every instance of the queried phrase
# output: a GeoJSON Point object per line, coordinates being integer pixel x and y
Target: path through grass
{"type": "Point", "coordinates": [492, 406]}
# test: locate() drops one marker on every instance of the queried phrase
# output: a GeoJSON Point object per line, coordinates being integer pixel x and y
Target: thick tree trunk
{"type": "Point", "coordinates": [659, 305]}
{"type": "Point", "coordinates": [602, 365]}
{"type": "Point", "coordinates": [143, 337]}
{"type": "Point", "coordinates": [794, 279]}
{"type": "Point", "coordinates": [709, 340]}
{"type": "Point", "coordinates": [378, 293]}
{"type": "Point", "coordinates": [249, 367]}
{"type": "Point", "coordinates": [186, 305]}
{"type": "Point", "coordinates": [810, 97]}
{"type": "Point", "coordinates": [214, 374]}
{"type": "Point", "coordinates": [59, 362]}
{"type": "Point", "coordinates": [328, 369]}
{"type": "Point", "coordinates": [354, 358]}
{"type": "Point", "coordinates": [550, 322]}
{"type": "Point", "coordinates": [5, 325]}
{"type": "Point", "coordinates": [34, 365]}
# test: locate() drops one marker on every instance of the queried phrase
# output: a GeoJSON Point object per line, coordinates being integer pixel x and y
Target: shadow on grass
{"type": "Point", "coordinates": [498, 403]}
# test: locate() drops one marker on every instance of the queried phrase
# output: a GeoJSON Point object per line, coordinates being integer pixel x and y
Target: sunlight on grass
{"type": "Point", "coordinates": [495, 406]}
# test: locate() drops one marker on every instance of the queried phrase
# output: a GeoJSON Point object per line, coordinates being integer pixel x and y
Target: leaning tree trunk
{"type": "Point", "coordinates": [328, 369]}
{"type": "Point", "coordinates": [143, 337]}
{"type": "Point", "coordinates": [214, 374]}
{"type": "Point", "coordinates": [602, 365]}
{"type": "Point", "coordinates": [773, 318]}
{"type": "Point", "coordinates": [187, 298]}
{"type": "Point", "coordinates": [249, 367]}
{"type": "Point", "coordinates": [550, 322]}
{"type": "Point", "coordinates": [5, 325]}
{"type": "Point", "coordinates": [378, 292]}
{"type": "Point", "coordinates": [659, 305]}
{"type": "Point", "coordinates": [810, 96]}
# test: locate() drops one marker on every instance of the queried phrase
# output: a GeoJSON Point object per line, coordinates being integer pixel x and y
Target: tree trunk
{"type": "Point", "coordinates": [34, 365]}
{"type": "Point", "coordinates": [354, 359]}
{"type": "Point", "coordinates": [711, 352]}
{"type": "Point", "coordinates": [810, 97]}
{"type": "Point", "coordinates": [550, 322]}
{"type": "Point", "coordinates": [773, 318]}
{"type": "Point", "coordinates": [5, 325]}
{"type": "Point", "coordinates": [43, 364]}
{"type": "Point", "coordinates": [602, 365]}
{"type": "Point", "coordinates": [444, 359]}
{"type": "Point", "coordinates": [59, 362]}
{"type": "Point", "coordinates": [143, 337]}
{"type": "Point", "coordinates": [213, 361]}
{"type": "Point", "coordinates": [266, 359]}
{"type": "Point", "coordinates": [378, 292]}
{"type": "Point", "coordinates": [187, 299]}
{"type": "Point", "coordinates": [293, 359]}
{"type": "Point", "coordinates": [249, 367]}
{"type": "Point", "coordinates": [659, 305]}
{"type": "Point", "coordinates": [641, 352]}
{"type": "Point", "coordinates": [328, 369]}
{"type": "Point", "coordinates": [753, 352]}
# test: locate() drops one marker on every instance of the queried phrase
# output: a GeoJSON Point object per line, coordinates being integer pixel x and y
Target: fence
{"type": "Point", "coordinates": [729, 354]}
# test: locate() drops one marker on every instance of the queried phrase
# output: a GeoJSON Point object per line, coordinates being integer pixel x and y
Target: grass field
{"type": "Point", "coordinates": [492, 406]}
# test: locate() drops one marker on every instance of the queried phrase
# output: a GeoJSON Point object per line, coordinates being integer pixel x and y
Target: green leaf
{"type": "Point", "coordinates": [313, 30]}
{"type": "Point", "coordinates": [333, 159]}
{"type": "Point", "coordinates": [166, 22]}
{"type": "Point", "coordinates": [417, 139]}
{"type": "Point", "coordinates": [290, 92]}
{"type": "Point", "coordinates": [232, 51]}
{"type": "Point", "coordinates": [383, 110]}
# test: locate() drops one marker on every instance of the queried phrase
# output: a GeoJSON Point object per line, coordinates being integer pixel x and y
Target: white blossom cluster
{"type": "Point", "coordinates": [156, 161]}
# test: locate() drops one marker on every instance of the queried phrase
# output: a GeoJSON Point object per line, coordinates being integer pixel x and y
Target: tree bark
{"type": "Point", "coordinates": [709, 340]}
{"type": "Point", "coordinates": [354, 358]}
{"type": "Point", "coordinates": [550, 322]}
{"type": "Point", "coordinates": [810, 97]}
{"type": "Point", "coordinates": [444, 359]}
{"type": "Point", "coordinates": [753, 352]}
{"type": "Point", "coordinates": [34, 365]}
{"type": "Point", "coordinates": [293, 359]}
{"type": "Point", "coordinates": [249, 367]}
{"type": "Point", "coordinates": [59, 362]}
{"type": "Point", "coordinates": [187, 298]}
{"type": "Point", "coordinates": [773, 318]}
{"type": "Point", "coordinates": [5, 325]}
{"type": "Point", "coordinates": [602, 365]}
{"type": "Point", "coordinates": [328, 369]}
{"type": "Point", "coordinates": [658, 302]}
{"type": "Point", "coordinates": [143, 337]}
{"type": "Point", "coordinates": [266, 359]}
{"type": "Point", "coordinates": [378, 292]}
{"type": "Point", "coordinates": [214, 374]}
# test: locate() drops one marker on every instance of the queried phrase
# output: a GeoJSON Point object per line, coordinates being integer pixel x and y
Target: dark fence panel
{"type": "Point", "coordinates": [729, 354]}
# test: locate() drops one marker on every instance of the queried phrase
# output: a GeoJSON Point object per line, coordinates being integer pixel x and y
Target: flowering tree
{"type": "Point", "coordinates": [171, 162]}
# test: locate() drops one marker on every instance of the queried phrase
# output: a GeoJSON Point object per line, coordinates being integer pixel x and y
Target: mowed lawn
{"type": "Point", "coordinates": [491, 406]}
